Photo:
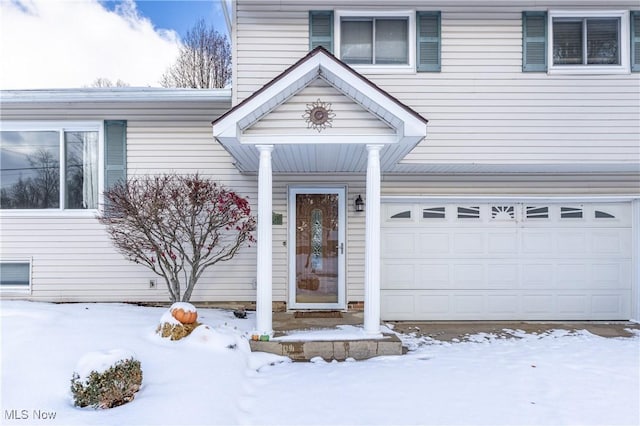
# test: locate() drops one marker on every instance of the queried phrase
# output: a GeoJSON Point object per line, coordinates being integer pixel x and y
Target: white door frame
{"type": "Point", "coordinates": [293, 190]}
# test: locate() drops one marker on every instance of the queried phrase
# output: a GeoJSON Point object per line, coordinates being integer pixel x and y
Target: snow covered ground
{"type": "Point", "coordinates": [559, 378]}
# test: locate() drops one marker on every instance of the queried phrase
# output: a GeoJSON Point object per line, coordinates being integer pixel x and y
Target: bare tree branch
{"type": "Point", "coordinates": [204, 61]}
{"type": "Point", "coordinates": [177, 226]}
{"type": "Point", "coordinates": [105, 82]}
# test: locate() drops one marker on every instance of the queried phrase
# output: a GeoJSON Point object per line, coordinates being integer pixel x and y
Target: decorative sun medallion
{"type": "Point", "coordinates": [318, 115]}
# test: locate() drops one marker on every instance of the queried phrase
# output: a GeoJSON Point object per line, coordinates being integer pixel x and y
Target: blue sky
{"type": "Point", "coordinates": [46, 44]}
{"type": "Point", "coordinates": [178, 15]}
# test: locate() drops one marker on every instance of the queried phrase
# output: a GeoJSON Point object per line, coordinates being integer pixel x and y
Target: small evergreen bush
{"type": "Point", "coordinates": [111, 388]}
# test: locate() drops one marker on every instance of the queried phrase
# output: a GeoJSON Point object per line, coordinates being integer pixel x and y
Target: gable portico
{"type": "Point", "coordinates": [271, 132]}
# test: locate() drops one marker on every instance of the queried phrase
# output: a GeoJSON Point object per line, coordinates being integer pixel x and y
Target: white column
{"type": "Point", "coordinates": [372, 243]}
{"type": "Point", "coordinates": [635, 259]}
{"type": "Point", "coordinates": [264, 292]}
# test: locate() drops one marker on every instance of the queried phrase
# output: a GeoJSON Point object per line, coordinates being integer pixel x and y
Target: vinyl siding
{"type": "Point", "coordinates": [481, 107]}
{"type": "Point", "coordinates": [288, 119]}
{"type": "Point", "coordinates": [72, 257]}
{"type": "Point", "coordinates": [565, 185]}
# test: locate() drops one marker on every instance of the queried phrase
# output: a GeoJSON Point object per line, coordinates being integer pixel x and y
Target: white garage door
{"type": "Point", "coordinates": [506, 261]}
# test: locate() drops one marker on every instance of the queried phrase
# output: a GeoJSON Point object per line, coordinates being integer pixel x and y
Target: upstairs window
{"type": "Point", "coordinates": [578, 42]}
{"type": "Point", "coordinates": [376, 41]}
{"type": "Point", "coordinates": [586, 41]}
{"type": "Point", "coordinates": [379, 41]}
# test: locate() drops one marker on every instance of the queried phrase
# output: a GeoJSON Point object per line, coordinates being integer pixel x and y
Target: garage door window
{"type": "Point", "coordinates": [571, 212]}
{"type": "Point", "coordinates": [469, 212]}
{"type": "Point", "coordinates": [402, 215]}
{"type": "Point", "coordinates": [433, 213]}
{"type": "Point", "coordinates": [498, 213]}
{"type": "Point", "coordinates": [536, 212]}
{"type": "Point", "coordinates": [503, 213]}
{"type": "Point", "coordinates": [599, 214]}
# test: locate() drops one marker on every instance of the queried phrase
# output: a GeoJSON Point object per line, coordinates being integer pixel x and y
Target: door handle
{"type": "Point", "coordinates": [340, 247]}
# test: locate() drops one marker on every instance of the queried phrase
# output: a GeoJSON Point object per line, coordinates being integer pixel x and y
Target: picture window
{"type": "Point", "coordinates": [49, 169]}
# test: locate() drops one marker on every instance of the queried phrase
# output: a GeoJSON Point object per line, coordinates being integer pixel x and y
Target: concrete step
{"type": "Point", "coordinates": [331, 349]}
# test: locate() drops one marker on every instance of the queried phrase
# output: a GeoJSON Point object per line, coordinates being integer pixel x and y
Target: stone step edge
{"type": "Point", "coordinates": [329, 350]}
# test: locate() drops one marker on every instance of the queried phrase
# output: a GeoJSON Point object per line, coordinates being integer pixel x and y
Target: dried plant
{"type": "Point", "coordinates": [177, 226]}
{"type": "Point", "coordinates": [111, 388]}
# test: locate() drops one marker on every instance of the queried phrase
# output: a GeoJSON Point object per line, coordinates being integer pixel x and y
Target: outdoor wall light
{"type": "Point", "coordinates": [359, 204]}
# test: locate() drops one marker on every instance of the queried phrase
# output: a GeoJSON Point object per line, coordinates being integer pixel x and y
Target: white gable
{"type": "Point", "coordinates": [290, 119]}
{"type": "Point", "coordinates": [274, 116]}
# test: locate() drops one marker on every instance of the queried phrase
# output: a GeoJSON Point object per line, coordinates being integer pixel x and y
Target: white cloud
{"type": "Point", "coordinates": [66, 44]}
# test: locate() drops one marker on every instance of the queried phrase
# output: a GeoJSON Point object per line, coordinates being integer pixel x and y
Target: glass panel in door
{"type": "Point", "coordinates": [317, 248]}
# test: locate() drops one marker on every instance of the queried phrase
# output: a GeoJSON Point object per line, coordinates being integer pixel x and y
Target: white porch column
{"type": "Point", "coordinates": [264, 277]}
{"type": "Point", "coordinates": [635, 259]}
{"type": "Point", "coordinates": [372, 243]}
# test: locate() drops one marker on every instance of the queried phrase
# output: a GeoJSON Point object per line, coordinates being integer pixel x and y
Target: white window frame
{"type": "Point", "coordinates": [61, 126]}
{"type": "Point", "coordinates": [623, 68]}
{"type": "Point", "coordinates": [22, 289]}
{"type": "Point", "coordinates": [410, 15]}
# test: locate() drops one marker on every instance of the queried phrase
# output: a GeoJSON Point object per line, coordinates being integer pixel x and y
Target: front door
{"type": "Point", "coordinates": [316, 247]}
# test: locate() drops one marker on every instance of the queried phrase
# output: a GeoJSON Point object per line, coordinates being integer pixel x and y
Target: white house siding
{"type": "Point", "coordinates": [567, 185]}
{"type": "Point", "coordinates": [72, 257]}
{"type": "Point", "coordinates": [481, 107]}
{"type": "Point", "coordinates": [288, 118]}
{"type": "Point", "coordinates": [393, 189]}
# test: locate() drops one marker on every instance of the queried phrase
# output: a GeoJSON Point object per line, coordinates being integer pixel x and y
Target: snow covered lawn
{"type": "Point", "coordinates": [560, 378]}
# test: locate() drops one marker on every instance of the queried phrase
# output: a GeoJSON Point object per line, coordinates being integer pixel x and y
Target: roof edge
{"type": "Point", "coordinates": [129, 94]}
{"type": "Point", "coordinates": [298, 63]}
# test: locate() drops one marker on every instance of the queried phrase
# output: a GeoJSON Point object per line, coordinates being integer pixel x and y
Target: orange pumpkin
{"type": "Point", "coordinates": [185, 317]}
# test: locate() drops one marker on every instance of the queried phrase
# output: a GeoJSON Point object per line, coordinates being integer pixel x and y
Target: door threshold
{"type": "Point", "coordinates": [317, 314]}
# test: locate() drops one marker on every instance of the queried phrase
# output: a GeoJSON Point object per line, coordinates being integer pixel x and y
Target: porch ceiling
{"type": "Point", "coordinates": [298, 149]}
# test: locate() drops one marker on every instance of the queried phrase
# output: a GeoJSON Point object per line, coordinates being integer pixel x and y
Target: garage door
{"type": "Point", "coordinates": [506, 261]}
